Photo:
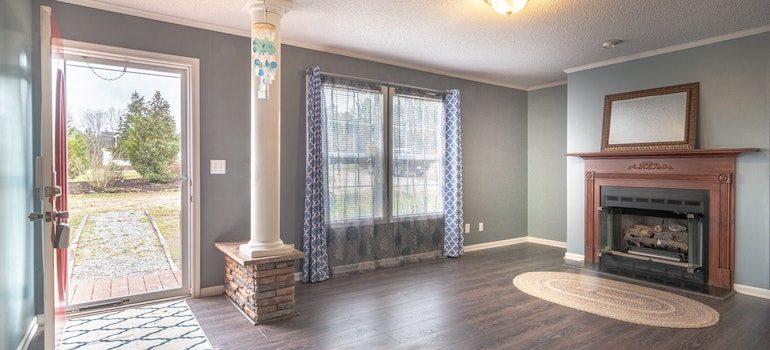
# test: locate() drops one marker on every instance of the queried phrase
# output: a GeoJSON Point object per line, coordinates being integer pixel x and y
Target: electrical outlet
{"type": "Point", "coordinates": [467, 228]}
{"type": "Point", "coordinates": [481, 227]}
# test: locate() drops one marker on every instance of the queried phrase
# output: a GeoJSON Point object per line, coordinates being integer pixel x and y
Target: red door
{"type": "Point", "coordinates": [52, 179]}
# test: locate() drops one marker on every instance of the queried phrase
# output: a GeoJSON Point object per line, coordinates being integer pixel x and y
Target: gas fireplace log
{"type": "Point", "coordinates": [656, 242]}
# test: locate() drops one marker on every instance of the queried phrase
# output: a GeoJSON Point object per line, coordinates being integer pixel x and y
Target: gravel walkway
{"type": "Point", "coordinates": [118, 244]}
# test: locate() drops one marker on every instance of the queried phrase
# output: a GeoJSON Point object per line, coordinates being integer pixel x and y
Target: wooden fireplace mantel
{"type": "Point", "coordinates": [690, 153]}
{"type": "Point", "coordinates": [712, 170]}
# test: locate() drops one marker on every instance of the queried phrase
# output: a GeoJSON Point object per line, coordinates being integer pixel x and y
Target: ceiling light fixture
{"type": "Point", "coordinates": [507, 7]}
{"type": "Point", "coordinates": [611, 43]}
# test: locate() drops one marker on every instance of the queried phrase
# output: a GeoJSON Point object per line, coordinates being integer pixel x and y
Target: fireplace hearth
{"type": "Point", "coordinates": [655, 234]}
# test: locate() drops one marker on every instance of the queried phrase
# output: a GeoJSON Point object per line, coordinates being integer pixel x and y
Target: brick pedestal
{"type": "Point", "coordinates": [262, 288]}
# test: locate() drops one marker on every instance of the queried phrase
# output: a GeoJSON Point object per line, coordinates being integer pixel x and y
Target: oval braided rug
{"type": "Point", "coordinates": [618, 300]}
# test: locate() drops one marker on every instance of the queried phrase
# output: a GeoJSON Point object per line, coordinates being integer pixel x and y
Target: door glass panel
{"type": "Point", "coordinates": [125, 162]}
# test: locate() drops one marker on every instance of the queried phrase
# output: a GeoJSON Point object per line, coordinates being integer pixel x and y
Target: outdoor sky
{"type": "Point", "coordinates": [85, 90]}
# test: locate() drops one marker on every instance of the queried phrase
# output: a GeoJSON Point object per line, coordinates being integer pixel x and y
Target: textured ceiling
{"type": "Point", "coordinates": [465, 37]}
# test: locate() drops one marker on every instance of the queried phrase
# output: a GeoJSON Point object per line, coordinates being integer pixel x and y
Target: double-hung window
{"type": "Point", "coordinates": [384, 149]}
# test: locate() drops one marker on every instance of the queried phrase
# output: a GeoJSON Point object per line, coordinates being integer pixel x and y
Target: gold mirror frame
{"type": "Point", "coordinates": [688, 141]}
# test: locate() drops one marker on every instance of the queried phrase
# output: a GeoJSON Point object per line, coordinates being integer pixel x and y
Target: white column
{"type": "Point", "coordinates": [265, 144]}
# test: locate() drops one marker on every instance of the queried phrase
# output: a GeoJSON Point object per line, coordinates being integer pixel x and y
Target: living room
{"type": "Point", "coordinates": [401, 174]}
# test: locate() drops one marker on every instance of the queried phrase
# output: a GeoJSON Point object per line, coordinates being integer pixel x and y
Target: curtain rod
{"type": "Point", "coordinates": [378, 82]}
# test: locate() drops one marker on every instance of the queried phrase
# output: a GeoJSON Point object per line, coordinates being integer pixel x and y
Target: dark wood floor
{"type": "Point", "coordinates": [466, 303]}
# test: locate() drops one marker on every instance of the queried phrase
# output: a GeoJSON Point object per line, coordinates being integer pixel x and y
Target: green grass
{"type": "Point", "coordinates": [130, 174]}
{"type": "Point", "coordinates": [164, 206]}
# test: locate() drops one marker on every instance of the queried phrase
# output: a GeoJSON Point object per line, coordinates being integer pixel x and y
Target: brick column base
{"type": "Point", "coordinates": [262, 288]}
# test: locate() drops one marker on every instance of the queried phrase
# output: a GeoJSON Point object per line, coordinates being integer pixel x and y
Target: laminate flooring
{"type": "Point", "coordinates": [466, 303]}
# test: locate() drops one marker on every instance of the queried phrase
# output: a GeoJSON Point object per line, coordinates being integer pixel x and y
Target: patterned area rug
{"type": "Point", "coordinates": [618, 300]}
{"type": "Point", "coordinates": [160, 326]}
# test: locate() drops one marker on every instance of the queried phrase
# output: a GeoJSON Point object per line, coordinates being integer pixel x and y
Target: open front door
{"type": "Point", "coordinates": [52, 179]}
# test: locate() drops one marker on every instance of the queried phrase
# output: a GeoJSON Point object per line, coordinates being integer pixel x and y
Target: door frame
{"type": "Point", "coordinates": [45, 176]}
{"type": "Point", "coordinates": [191, 68]}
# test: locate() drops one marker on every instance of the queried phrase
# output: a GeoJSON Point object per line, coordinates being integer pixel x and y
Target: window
{"type": "Point", "coordinates": [383, 160]}
{"type": "Point", "coordinates": [417, 136]}
{"type": "Point", "coordinates": [355, 150]}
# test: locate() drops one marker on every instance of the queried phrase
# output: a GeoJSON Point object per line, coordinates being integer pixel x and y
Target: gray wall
{"type": "Point", "coordinates": [494, 127]}
{"type": "Point", "coordinates": [546, 169]}
{"type": "Point", "coordinates": [494, 142]}
{"type": "Point", "coordinates": [17, 193]}
{"type": "Point", "coordinates": [734, 81]}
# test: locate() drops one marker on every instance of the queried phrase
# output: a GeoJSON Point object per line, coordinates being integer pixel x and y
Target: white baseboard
{"type": "Point", "coordinates": [574, 257]}
{"type": "Point", "coordinates": [29, 334]}
{"type": "Point", "coordinates": [217, 290]}
{"type": "Point", "coordinates": [495, 244]}
{"type": "Point", "coordinates": [548, 242]}
{"type": "Point", "coordinates": [518, 240]}
{"type": "Point", "coordinates": [752, 291]}
{"type": "Point", "coordinates": [212, 291]}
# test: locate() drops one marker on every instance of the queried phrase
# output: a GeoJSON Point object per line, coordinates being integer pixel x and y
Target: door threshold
{"type": "Point", "coordinates": [117, 305]}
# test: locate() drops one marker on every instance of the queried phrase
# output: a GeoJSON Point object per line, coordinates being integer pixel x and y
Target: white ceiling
{"type": "Point", "coordinates": [466, 38]}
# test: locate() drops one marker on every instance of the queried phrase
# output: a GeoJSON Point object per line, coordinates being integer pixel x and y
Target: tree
{"type": "Point", "coordinates": [87, 148]}
{"type": "Point", "coordinates": [149, 139]}
{"type": "Point", "coordinates": [77, 152]}
{"type": "Point", "coordinates": [136, 109]}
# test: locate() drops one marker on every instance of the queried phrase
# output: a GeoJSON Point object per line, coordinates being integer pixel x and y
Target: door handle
{"type": "Point", "coordinates": [47, 216]}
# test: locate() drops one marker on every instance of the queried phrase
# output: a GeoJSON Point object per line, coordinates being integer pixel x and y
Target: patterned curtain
{"type": "Point", "coordinates": [315, 266]}
{"type": "Point", "coordinates": [453, 177]}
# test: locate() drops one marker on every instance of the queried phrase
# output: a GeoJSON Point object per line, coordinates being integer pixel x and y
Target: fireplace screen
{"type": "Point", "coordinates": [654, 233]}
{"type": "Point", "coordinates": [674, 238]}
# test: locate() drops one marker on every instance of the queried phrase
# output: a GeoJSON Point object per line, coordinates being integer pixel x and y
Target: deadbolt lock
{"type": "Point", "coordinates": [52, 191]}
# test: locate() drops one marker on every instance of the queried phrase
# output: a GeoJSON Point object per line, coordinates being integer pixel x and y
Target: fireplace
{"type": "Point", "coordinates": [631, 192]}
{"type": "Point", "coordinates": [655, 234]}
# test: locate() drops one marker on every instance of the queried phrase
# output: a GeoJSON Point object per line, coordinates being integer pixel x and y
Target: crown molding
{"type": "Point", "coordinates": [245, 33]}
{"type": "Point", "coordinates": [547, 85]}
{"type": "Point", "coordinates": [669, 49]}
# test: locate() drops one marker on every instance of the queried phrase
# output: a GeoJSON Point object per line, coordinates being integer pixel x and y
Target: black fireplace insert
{"type": "Point", "coordinates": [655, 234]}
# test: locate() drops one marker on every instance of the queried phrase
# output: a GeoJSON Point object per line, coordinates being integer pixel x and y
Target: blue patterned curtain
{"type": "Point", "coordinates": [453, 177]}
{"type": "Point", "coordinates": [315, 266]}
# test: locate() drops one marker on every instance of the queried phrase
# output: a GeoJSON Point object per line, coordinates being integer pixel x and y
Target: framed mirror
{"type": "Point", "coordinates": [655, 119]}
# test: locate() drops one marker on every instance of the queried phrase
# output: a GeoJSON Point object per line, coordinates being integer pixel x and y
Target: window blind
{"type": "Point", "coordinates": [355, 150]}
{"type": "Point", "coordinates": [417, 151]}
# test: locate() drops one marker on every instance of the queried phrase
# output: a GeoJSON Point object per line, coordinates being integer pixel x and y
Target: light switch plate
{"type": "Point", "coordinates": [218, 167]}
{"type": "Point", "coordinates": [481, 227]}
{"type": "Point", "coordinates": [467, 228]}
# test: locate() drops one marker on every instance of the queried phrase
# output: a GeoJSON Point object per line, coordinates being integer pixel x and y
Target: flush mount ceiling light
{"type": "Point", "coordinates": [507, 7]}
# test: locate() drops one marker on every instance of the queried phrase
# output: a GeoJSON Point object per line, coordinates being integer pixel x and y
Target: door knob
{"type": "Point", "coordinates": [35, 216]}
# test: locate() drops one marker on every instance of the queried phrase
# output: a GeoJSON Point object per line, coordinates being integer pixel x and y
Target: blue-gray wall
{"type": "Point", "coordinates": [494, 127]}
{"type": "Point", "coordinates": [546, 169]}
{"type": "Point", "coordinates": [734, 81]}
{"type": "Point", "coordinates": [17, 193]}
